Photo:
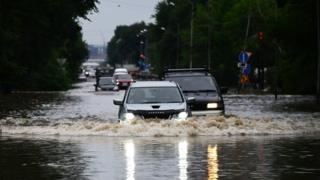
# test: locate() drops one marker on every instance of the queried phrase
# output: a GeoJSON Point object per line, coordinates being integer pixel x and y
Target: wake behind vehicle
{"type": "Point", "coordinates": [201, 85]}
{"type": "Point", "coordinates": [153, 99]}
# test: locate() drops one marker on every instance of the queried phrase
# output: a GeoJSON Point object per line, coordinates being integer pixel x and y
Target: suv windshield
{"type": "Point", "coordinates": [195, 83]}
{"type": "Point", "coordinates": [154, 95]}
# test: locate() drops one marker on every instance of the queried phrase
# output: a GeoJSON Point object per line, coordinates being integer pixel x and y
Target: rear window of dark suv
{"type": "Point", "coordinates": [194, 83]}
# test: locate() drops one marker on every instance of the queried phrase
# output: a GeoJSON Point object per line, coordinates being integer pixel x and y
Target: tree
{"type": "Point", "coordinates": [124, 47]}
{"type": "Point", "coordinates": [34, 35]}
{"type": "Point", "coordinates": [221, 29]}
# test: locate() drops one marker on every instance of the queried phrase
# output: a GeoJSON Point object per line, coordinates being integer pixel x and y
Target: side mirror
{"type": "Point", "coordinates": [190, 99]}
{"type": "Point", "coordinates": [224, 90]}
{"type": "Point", "coordinates": [117, 102]}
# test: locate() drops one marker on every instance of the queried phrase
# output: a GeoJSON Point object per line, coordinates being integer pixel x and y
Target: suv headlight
{"type": "Point", "coordinates": [182, 115]}
{"type": "Point", "coordinates": [129, 116]}
{"type": "Point", "coordinates": [212, 105]}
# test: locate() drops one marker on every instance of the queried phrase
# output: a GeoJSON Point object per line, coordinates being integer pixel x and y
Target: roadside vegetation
{"type": "Point", "coordinates": [41, 43]}
{"type": "Point", "coordinates": [42, 47]}
{"type": "Point", "coordinates": [212, 33]}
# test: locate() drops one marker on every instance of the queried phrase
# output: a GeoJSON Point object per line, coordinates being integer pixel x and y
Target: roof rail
{"type": "Point", "coordinates": [188, 70]}
{"type": "Point", "coordinates": [200, 70]}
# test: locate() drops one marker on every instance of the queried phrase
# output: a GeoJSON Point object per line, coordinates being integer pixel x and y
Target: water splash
{"type": "Point", "coordinates": [196, 126]}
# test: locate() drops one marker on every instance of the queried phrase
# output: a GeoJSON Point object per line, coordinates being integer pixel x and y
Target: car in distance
{"type": "Point", "coordinates": [153, 99]}
{"type": "Point", "coordinates": [82, 77]}
{"type": "Point", "coordinates": [120, 71]}
{"type": "Point", "coordinates": [106, 83]}
{"type": "Point", "coordinates": [201, 85]}
{"type": "Point", "coordinates": [123, 81]}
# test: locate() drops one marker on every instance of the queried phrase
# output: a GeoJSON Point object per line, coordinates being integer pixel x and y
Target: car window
{"type": "Point", "coordinates": [121, 70]}
{"type": "Point", "coordinates": [194, 83]}
{"type": "Point", "coordinates": [105, 81]}
{"type": "Point", "coordinates": [123, 76]}
{"type": "Point", "coordinates": [154, 95]}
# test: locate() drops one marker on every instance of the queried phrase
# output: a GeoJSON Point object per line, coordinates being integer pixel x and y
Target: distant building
{"type": "Point", "coordinates": [97, 52]}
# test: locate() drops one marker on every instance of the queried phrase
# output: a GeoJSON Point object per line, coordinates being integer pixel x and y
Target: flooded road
{"type": "Point", "coordinates": [75, 135]}
{"type": "Point", "coordinates": [82, 102]}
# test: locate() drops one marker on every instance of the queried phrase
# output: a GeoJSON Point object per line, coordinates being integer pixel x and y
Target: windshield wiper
{"type": "Point", "coordinates": [152, 102]}
{"type": "Point", "coordinates": [207, 90]}
{"type": "Point", "coordinates": [197, 91]}
{"type": "Point", "coordinates": [189, 91]}
{"type": "Point", "coordinates": [168, 102]}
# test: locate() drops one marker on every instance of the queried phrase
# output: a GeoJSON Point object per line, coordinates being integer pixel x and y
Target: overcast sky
{"type": "Point", "coordinates": [113, 13]}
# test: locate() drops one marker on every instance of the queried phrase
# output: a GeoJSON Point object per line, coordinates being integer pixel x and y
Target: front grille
{"type": "Point", "coordinates": [157, 114]}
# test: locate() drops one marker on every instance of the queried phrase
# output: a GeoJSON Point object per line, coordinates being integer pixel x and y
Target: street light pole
{"type": "Point", "coordinates": [143, 41]}
{"type": "Point", "coordinates": [178, 47]}
{"type": "Point", "coordinates": [191, 34]}
{"type": "Point", "coordinates": [209, 37]}
{"type": "Point", "coordinates": [318, 34]}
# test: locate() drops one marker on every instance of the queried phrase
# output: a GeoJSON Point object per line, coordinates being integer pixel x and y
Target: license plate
{"type": "Point", "coordinates": [124, 84]}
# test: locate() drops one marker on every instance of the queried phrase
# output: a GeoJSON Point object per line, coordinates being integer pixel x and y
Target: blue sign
{"type": "Point", "coordinates": [243, 57]}
{"type": "Point", "coordinates": [246, 71]}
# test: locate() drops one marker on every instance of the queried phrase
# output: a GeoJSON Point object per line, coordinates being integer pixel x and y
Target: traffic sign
{"type": "Point", "coordinates": [243, 57]}
{"type": "Point", "coordinates": [246, 71]}
{"type": "Point", "coordinates": [241, 65]}
{"type": "Point", "coordinates": [244, 79]}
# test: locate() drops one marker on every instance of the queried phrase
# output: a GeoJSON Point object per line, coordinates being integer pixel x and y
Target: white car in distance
{"type": "Point", "coordinates": [120, 71]}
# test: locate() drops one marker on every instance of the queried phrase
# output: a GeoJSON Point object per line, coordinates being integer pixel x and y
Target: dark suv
{"type": "Point", "coordinates": [201, 85]}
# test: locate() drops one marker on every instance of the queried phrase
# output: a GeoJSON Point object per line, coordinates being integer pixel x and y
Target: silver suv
{"type": "Point", "coordinates": [153, 99]}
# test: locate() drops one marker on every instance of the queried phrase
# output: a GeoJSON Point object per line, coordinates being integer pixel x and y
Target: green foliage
{"type": "Point", "coordinates": [219, 30]}
{"type": "Point", "coordinates": [288, 49]}
{"type": "Point", "coordinates": [124, 47]}
{"type": "Point", "coordinates": [34, 35]}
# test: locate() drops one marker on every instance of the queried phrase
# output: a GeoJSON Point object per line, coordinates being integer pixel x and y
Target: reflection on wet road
{"type": "Point", "coordinates": [76, 104]}
{"type": "Point", "coordinates": [160, 158]}
{"type": "Point", "coordinates": [129, 149]}
{"type": "Point", "coordinates": [213, 163]}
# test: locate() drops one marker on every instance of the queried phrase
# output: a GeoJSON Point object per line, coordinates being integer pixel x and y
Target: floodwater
{"type": "Point", "coordinates": [75, 135]}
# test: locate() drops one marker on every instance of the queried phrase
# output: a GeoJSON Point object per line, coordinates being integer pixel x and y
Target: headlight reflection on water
{"type": "Point", "coordinates": [212, 155]}
{"type": "Point", "coordinates": [129, 149]}
{"type": "Point", "coordinates": [183, 162]}
{"type": "Point", "coordinates": [213, 167]}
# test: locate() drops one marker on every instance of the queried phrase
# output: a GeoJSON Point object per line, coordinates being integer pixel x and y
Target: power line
{"type": "Point", "coordinates": [120, 3]}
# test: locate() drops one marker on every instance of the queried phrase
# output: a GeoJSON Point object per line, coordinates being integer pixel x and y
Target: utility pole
{"type": "Point", "coordinates": [178, 47]}
{"type": "Point", "coordinates": [277, 55]}
{"type": "Point", "coordinates": [209, 38]}
{"type": "Point", "coordinates": [191, 34]}
{"type": "Point", "coordinates": [247, 32]}
{"type": "Point", "coordinates": [318, 34]}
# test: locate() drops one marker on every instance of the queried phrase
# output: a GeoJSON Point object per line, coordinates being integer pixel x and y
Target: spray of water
{"type": "Point", "coordinates": [196, 126]}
